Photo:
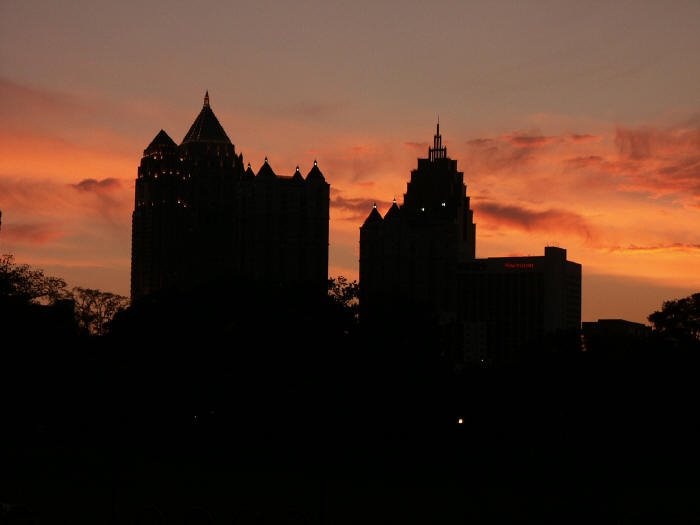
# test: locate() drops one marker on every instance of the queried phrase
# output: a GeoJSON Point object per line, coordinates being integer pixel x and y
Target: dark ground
{"type": "Point", "coordinates": [307, 419]}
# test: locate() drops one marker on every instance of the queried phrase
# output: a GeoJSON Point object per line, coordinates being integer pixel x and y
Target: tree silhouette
{"type": "Point", "coordinates": [344, 293]}
{"type": "Point", "coordinates": [20, 282]}
{"type": "Point", "coordinates": [23, 289]}
{"type": "Point", "coordinates": [95, 309]}
{"type": "Point", "coordinates": [679, 320]}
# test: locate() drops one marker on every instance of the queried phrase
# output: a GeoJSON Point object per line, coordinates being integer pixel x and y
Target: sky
{"type": "Point", "coordinates": [576, 124]}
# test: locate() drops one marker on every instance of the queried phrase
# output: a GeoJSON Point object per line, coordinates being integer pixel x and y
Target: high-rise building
{"type": "Point", "coordinates": [411, 255]}
{"type": "Point", "coordinates": [420, 258]}
{"type": "Point", "coordinates": [200, 215]}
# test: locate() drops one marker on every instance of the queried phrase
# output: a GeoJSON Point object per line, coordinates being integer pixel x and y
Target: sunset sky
{"type": "Point", "coordinates": [575, 123]}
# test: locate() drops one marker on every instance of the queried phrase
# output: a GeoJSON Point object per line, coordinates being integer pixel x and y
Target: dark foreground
{"type": "Point", "coordinates": [107, 433]}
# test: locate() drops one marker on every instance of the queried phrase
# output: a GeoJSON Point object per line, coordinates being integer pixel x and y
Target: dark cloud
{"type": "Point", "coordinates": [480, 142]}
{"type": "Point", "coordinates": [529, 141]}
{"type": "Point", "coordinates": [521, 218]}
{"type": "Point", "coordinates": [98, 186]}
{"type": "Point", "coordinates": [582, 138]}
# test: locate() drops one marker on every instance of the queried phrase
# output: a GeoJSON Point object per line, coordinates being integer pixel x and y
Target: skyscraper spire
{"type": "Point", "coordinates": [438, 151]}
{"type": "Point", "coordinates": [206, 99]}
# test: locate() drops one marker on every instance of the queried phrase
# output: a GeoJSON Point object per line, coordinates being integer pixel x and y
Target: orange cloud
{"type": "Point", "coordinates": [672, 247]}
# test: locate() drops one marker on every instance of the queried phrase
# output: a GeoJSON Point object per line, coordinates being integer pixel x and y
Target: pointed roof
{"type": "Point", "coordinates": [315, 173]}
{"type": "Point", "coordinates": [249, 172]}
{"type": "Point", "coordinates": [266, 170]}
{"type": "Point", "coordinates": [161, 140]}
{"type": "Point", "coordinates": [373, 217]}
{"type": "Point", "coordinates": [393, 213]}
{"type": "Point", "coordinates": [206, 127]}
{"type": "Point", "coordinates": [297, 175]}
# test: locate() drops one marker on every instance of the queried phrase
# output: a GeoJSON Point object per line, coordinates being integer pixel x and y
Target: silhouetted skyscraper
{"type": "Point", "coordinates": [411, 255]}
{"type": "Point", "coordinates": [200, 215]}
{"type": "Point", "coordinates": [420, 258]}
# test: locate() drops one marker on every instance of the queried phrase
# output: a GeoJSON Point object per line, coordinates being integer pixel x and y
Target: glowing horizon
{"type": "Point", "coordinates": [592, 144]}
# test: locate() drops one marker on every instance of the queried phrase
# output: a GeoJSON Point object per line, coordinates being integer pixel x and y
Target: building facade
{"type": "Point", "coordinates": [420, 257]}
{"type": "Point", "coordinates": [200, 215]}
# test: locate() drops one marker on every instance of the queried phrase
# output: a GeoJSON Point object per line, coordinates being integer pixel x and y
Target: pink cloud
{"type": "Point", "coordinates": [31, 233]}
{"type": "Point", "coordinates": [661, 161]}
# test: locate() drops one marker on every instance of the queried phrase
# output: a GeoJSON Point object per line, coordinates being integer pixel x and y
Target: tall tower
{"type": "Point", "coordinates": [212, 171]}
{"type": "Point", "coordinates": [411, 256]}
{"type": "Point", "coordinates": [200, 217]}
{"type": "Point", "coordinates": [160, 215]}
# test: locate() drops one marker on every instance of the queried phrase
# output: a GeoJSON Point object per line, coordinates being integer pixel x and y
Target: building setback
{"type": "Point", "coordinates": [200, 215]}
{"type": "Point", "coordinates": [420, 257]}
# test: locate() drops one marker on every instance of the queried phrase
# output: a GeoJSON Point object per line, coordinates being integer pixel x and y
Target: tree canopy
{"type": "Point", "coordinates": [26, 284]}
{"type": "Point", "coordinates": [20, 284]}
{"type": "Point", "coordinates": [679, 320]}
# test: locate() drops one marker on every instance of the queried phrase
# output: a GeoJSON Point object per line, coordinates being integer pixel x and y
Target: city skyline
{"type": "Point", "coordinates": [591, 144]}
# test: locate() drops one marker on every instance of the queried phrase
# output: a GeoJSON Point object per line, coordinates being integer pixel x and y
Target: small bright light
{"type": "Point", "coordinates": [443, 204]}
{"type": "Point", "coordinates": [315, 163]}
{"type": "Point", "coordinates": [460, 421]}
{"type": "Point", "coordinates": [422, 209]}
